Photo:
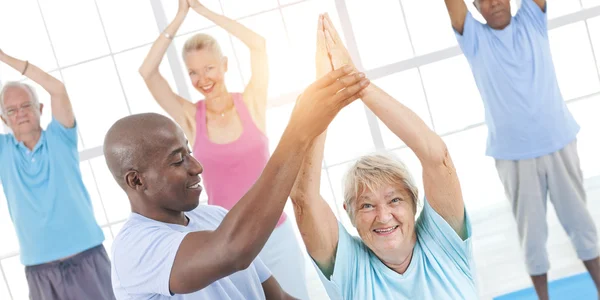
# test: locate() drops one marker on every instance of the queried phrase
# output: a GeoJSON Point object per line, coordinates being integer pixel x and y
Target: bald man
{"type": "Point", "coordinates": [170, 248]}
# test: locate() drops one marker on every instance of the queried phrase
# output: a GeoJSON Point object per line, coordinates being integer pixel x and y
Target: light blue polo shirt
{"type": "Point", "coordinates": [442, 266]}
{"type": "Point", "coordinates": [47, 200]}
{"type": "Point", "coordinates": [513, 69]}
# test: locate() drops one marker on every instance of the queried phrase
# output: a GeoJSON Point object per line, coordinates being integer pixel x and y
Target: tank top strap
{"type": "Point", "coordinates": [200, 120]}
{"type": "Point", "coordinates": [243, 112]}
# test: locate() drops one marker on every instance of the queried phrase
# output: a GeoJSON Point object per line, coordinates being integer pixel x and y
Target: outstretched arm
{"type": "Point", "coordinates": [62, 110]}
{"type": "Point", "coordinates": [457, 9]}
{"type": "Point", "coordinates": [442, 188]}
{"type": "Point", "coordinates": [316, 222]}
{"type": "Point", "coordinates": [255, 94]}
{"type": "Point", "coordinates": [206, 256]}
{"type": "Point", "coordinates": [181, 110]}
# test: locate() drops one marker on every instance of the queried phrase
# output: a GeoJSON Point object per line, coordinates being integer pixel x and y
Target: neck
{"type": "Point", "coordinates": [219, 104]}
{"type": "Point", "coordinates": [159, 214]}
{"type": "Point", "coordinates": [402, 260]}
{"type": "Point", "coordinates": [29, 139]}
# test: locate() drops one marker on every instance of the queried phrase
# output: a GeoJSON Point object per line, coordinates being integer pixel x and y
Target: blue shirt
{"type": "Point", "coordinates": [144, 252]}
{"type": "Point", "coordinates": [441, 266]}
{"type": "Point", "coordinates": [47, 200]}
{"type": "Point", "coordinates": [513, 69]}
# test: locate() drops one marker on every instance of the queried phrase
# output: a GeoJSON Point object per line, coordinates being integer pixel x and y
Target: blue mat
{"type": "Point", "coordinates": [577, 287]}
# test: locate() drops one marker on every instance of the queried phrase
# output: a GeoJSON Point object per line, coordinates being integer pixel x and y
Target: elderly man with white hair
{"type": "Point", "coordinates": [59, 238]}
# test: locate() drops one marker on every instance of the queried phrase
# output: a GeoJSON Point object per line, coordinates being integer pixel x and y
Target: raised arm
{"type": "Point", "coordinates": [204, 257]}
{"type": "Point", "coordinates": [442, 188]}
{"type": "Point", "coordinates": [181, 110]}
{"type": "Point", "coordinates": [316, 221]}
{"type": "Point", "coordinates": [255, 94]}
{"type": "Point", "coordinates": [62, 110]}
{"type": "Point", "coordinates": [457, 9]}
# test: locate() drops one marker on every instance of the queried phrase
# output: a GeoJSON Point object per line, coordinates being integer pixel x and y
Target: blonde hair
{"type": "Point", "coordinates": [28, 88]}
{"type": "Point", "coordinates": [371, 172]}
{"type": "Point", "coordinates": [201, 41]}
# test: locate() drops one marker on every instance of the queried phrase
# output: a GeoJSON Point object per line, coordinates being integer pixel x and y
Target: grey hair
{"type": "Point", "coordinates": [28, 88]}
{"type": "Point", "coordinates": [371, 172]}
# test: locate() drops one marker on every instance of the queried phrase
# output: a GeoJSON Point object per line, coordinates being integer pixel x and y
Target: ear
{"type": "Point", "coordinates": [41, 108]}
{"type": "Point", "coordinates": [4, 120]}
{"type": "Point", "coordinates": [225, 63]}
{"type": "Point", "coordinates": [133, 180]}
{"type": "Point", "coordinates": [475, 4]}
{"type": "Point", "coordinates": [345, 207]}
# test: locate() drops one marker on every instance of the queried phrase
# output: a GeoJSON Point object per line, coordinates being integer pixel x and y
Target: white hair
{"type": "Point", "coordinates": [26, 87]}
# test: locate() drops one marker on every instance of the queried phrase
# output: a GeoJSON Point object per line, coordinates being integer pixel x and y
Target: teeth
{"type": "Point", "coordinates": [386, 230]}
{"type": "Point", "coordinates": [195, 186]}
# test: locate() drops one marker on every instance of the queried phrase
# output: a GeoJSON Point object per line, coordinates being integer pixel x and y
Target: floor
{"type": "Point", "coordinates": [497, 254]}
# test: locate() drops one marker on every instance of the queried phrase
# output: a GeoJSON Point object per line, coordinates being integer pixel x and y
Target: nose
{"type": "Point", "coordinates": [384, 214]}
{"type": "Point", "coordinates": [195, 168]}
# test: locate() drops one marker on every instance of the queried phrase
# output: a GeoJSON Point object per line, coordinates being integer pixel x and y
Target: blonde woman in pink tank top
{"type": "Point", "coordinates": [227, 130]}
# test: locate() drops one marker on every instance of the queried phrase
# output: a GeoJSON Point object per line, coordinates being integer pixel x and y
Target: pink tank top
{"type": "Point", "coordinates": [231, 169]}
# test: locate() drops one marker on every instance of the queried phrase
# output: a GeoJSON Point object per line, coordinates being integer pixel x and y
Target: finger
{"type": "Point", "coordinates": [331, 77]}
{"type": "Point", "coordinates": [331, 29]}
{"type": "Point", "coordinates": [351, 91]}
{"type": "Point", "coordinates": [344, 82]}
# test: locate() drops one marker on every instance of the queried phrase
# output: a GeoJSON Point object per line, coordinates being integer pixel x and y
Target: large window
{"type": "Point", "coordinates": [97, 46]}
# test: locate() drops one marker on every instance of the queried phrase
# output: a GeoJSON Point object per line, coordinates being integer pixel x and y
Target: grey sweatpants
{"type": "Point", "coordinates": [83, 276]}
{"type": "Point", "coordinates": [527, 183]}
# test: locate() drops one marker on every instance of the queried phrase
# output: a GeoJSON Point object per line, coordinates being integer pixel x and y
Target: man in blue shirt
{"type": "Point", "coordinates": [60, 241]}
{"type": "Point", "coordinates": [531, 133]}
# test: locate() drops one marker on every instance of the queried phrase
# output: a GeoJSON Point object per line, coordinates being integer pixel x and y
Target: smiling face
{"type": "Point", "coordinates": [20, 110]}
{"type": "Point", "coordinates": [206, 65]}
{"type": "Point", "coordinates": [495, 12]}
{"type": "Point", "coordinates": [380, 198]}
{"type": "Point", "coordinates": [385, 219]}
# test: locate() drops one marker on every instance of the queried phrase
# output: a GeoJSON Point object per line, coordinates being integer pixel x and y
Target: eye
{"type": "Point", "coordinates": [11, 111]}
{"type": "Point", "coordinates": [192, 73]}
{"type": "Point", "coordinates": [396, 200]}
{"type": "Point", "coordinates": [366, 206]}
{"type": "Point", "coordinates": [180, 160]}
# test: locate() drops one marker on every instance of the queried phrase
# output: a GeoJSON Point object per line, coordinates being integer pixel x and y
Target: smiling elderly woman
{"type": "Point", "coordinates": [396, 256]}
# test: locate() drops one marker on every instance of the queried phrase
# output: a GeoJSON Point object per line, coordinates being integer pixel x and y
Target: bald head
{"type": "Point", "coordinates": [136, 141]}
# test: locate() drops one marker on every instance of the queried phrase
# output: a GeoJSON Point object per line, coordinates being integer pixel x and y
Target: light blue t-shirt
{"type": "Point", "coordinates": [524, 109]}
{"type": "Point", "coordinates": [144, 252]}
{"type": "Point", "coordinates": [47, 200]}
{"type": "Point", "coordinates": [441, 266]}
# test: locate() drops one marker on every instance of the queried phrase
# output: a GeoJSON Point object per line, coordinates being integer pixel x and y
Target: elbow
{"type": "Point", "coordinates": [146, 73]}
{"type": "Point", "coordinates": [260, 44]}
{"type": "Point", "coordinates": [58, 89]}
{"type": "Point", "coordinates": [438, 153]}
{"type": "Point", "coordinates": [242, 259]}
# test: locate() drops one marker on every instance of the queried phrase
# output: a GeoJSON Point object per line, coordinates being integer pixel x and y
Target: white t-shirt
{"type": "Point", "coordinates": [144, 252]}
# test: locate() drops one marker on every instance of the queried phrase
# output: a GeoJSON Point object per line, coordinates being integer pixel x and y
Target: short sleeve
{"type": "Point", "coordinates": [263, 272]}
{"type": "Point", "coordinates": [349, 254]}
{"type": "Point", "coordinates": [3, 142]}
{"type": "Point", "coordinates": [67, 135]}
{"type": "Point", "coordinates": [531, 15]}
{"type": "Point", "coordinates": [143, 257]}
{"type": "Point", "coordinates": [471, 35]}
{"type": "Point", "coordinates": [432, 228]}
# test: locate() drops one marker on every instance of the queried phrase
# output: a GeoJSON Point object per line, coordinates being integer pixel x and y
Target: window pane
{"type": "Point", "coordinates": [193, 20]}
{"type": "Point", "coordinates": [121, 31]}
{"type": "Point", "coordinates": [4, 294]}
{"type": "Point", "coordinates": [574, 61]}
{"type": "Point", "coordinates": [453, 97]}
{"type": "Point", "coordinates": [349, 135]}
{"type": "Point", "coordinates": [90, 184]}
{"type": "Point", "coordinates": [277, 120]}
{"type": "Point", "coordinates": [557, 8]}
{"type": "Point", "coordinates": [407, 89]}
{"type": "Point", "coordinates": [270, 26]}
{"type": "Point", "coordinates": [586, 113]}
{"type": "Point", "coordinates": [15, 275]}
{"type": "Point", "coordinates": [138, 96]}
{"type": "Point", "coordinates": [480, 184]}
{"type": "Point", "coordinates": [236, 9]}
{"type": "Point", "coordinates": [108, 241]}
{"type": "Point", "coordinates": [429, 26]}
{"type": "Point", "coordinates": [372, 19]}
{"type": "Point", "coordinates": [97, 103]}
{"type": "Point", "coordinates": [233, 80]}
{"type": "Point", "coordinates": [24, 36]}
{"type": "Point", "coordinates": [115, 200]}
{"type": "Point", "coordinates": [590, 3]}
{"type": "Point", "coordinates": [79, 42]}
{"type": "Point", "coordinates": [594, 27]}
{"type": "Point", "coordinates": [336, 175]}
{"type": "Point", "coordinates": [301, 24]}
{"type": "Point", "coordinates": [8, 236]}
